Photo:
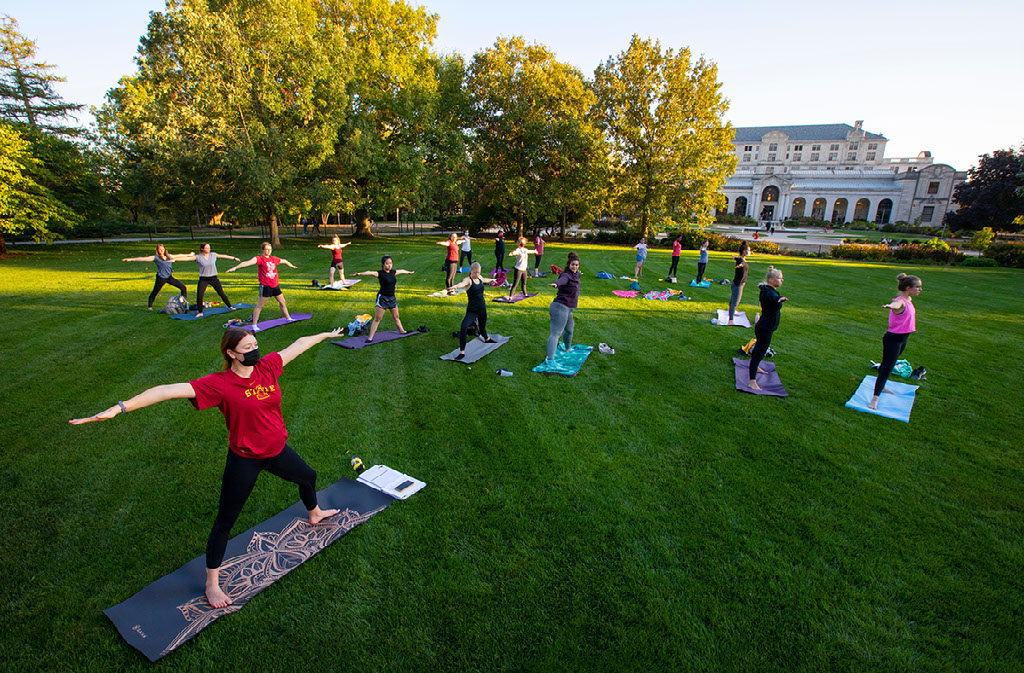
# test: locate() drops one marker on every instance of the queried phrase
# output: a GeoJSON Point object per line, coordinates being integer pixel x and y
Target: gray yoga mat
{"type": "Point", "coordinates": [770, 383]}
{"type": "Point", "coordinates": [174, 609]}
{"type": "Point", "coordinates": [476, 348]}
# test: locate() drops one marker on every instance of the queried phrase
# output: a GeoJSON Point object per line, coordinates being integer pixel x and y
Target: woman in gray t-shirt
{"type": "Point", "coordinates": [164, 274]}
{"type": "Point", "coordinates": [207, 262]}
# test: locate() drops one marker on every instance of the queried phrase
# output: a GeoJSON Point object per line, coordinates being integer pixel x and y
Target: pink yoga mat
{"type": "Point", "coordinates": [358, 342]}
{"type": "Point", "coordinates": [629, 294]}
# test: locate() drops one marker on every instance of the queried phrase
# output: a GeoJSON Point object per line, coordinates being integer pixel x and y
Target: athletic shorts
{"type": "Point", "coordinates": [386, 303]}
{"type": "Point", "coordinates": [338, 265]}
{"type": "Point", "coordinates": [267, 291]}
{"type": "Point", "coordinates": [640, 258]}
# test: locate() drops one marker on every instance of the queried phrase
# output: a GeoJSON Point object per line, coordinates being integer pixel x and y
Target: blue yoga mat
{"type": "Point", "coordinates": [566, 362]}
{"type": "Point", "coordinates": [174, 609]}
{"type": "Point", "coordinates": [703, 283]}
{"type": "Point", "coordinates": [897, 405]}
{"type": "Point", "coordinates": [191, 315]}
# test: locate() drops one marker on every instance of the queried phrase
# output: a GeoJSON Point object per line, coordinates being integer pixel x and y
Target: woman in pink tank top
{"type": "Point", "coordinates": [902, 321]}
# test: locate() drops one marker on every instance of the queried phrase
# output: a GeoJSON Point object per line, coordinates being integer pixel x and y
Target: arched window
{"type": "Point", "coordinates": [770, 194]}
{"type": "Point", "coordinates": [884, 211]}
{"type": "Point", "coordinates": [862, 210]}
{"type": "Point", "coordinates": [818, 209]}
{"type": "Point", "coordinates": [741, 206]}
{"type": "Point", "coordinates": [839, 211]}
{"type": "Point", "coordinates": [799, 206]}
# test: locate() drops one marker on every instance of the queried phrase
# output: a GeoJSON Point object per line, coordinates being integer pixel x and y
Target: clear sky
{"type": "Point", "coordinates": [942, 76]}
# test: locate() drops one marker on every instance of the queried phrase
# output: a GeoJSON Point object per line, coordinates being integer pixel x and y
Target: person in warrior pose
{"type": "Point", "coordinates": [538, 245]}
{"type": "Point", "coordinates": [386, 299]}
{"type": "Point", "coordinates": [764, 328]}
{"type": "Point", "coordinates": [522, 256]}
{"type": "Point", "coordinates": [739, 279]}
{"type": "Point", "coordinates": [476, 308]}
{"type": "Point", "coordinates": [902, 321]}
{"type": "Point", "coordinates": [566, 300]}
{"type": "Point", "coordinates": [207, 262]}
{"type": "Point", "coordinates": [451, 260]}
{"type": "Point", "coordinates": [247, 392]}
{"type": "Point", "coordinates": [266, 269]}
{"type": "Point", "coordinates": [164, 273]}
{"type": "Point", "coordinates": [335, 246]}
{"type": "Point", "coordinates": [467, 249]}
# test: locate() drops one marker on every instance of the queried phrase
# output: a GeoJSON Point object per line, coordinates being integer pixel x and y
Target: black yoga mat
{"type": "Point", "coordinates": [173, 609]}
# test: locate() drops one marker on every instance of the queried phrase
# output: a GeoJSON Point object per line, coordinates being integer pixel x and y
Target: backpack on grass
{"type": "Point", "coordinates": [176, 305]}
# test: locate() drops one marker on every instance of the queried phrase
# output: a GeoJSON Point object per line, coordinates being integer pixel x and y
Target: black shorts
{"type": "Point", "coordinates": [267, 291]}
{"type": "Point", "coordinates": [338, 265]}
{"type": "Point", "coordinates": [386, 303]}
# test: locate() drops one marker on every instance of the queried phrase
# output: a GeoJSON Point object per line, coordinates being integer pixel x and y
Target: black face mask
{"type": "Point", "coordinates": [251, 358]}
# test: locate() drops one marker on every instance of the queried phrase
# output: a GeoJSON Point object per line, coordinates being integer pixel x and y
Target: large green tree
{"type": "Point", "coordinates": [25, 204]}
{"type": "Point", "coordinates": [993, 194]}
{"type": "Point", "coordinates": [534, 137]}
{"type": "Point", "coordinates": [241, 100]}
{"type": "Point", "coordinates": [663, 114]}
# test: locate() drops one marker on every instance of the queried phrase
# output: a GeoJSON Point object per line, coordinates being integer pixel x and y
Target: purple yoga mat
{"type": "Point", "coordinates": [519, 296]}
{"type": "Point", "coordinates": [277, 322]}
{"type": "Point", "coordinates": [770, 382]}
{"type": "Point", "coordinates": [357, 342]}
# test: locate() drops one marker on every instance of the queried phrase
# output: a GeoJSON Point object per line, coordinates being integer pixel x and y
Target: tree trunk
{"type": "Point", "coordinates": [3, 245]}
{"type": "Point", "coordinates": [643, 225]}
{"type": "Point", "coordinates": [563, 226]}
{"type": "Point", "coordinates": [275, 236]}
{"type": "Point", "coordinates": [362, 220]}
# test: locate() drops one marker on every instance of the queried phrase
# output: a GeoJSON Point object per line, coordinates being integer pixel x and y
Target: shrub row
{"type": "Point", "coordinates": [907, 253]}
{"type": "Point", "coordinates": [1006, 254]}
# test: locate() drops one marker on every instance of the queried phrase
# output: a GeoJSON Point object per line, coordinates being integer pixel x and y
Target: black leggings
{"type": "Point", "coordinates": [536, 262]}
{"type": "Point", "coordinates": [700, 270]}
{"type": "Point", "coordinates": [170, 280]}
{"type": "Point", "coordinates": [239, 479]}
{"type": "Point", "coordinates": [499, 260]}
{"type": "Point", "coordinates": [764, 340]}
{"type": "Point", "coordinates": [214, 282]}
{"type": "Point", "coordinates": [675, 264]}
{"type": "Point", "coordinates": [450, 269]}
{"type": "Point", "coordinates": [467, 254]}
{"type": "Point", "coordinates": [520, 277]}
{"type": "Point", "coordinates": [892, 348]}
{"type": "Point", "coordinates": [467, 322]}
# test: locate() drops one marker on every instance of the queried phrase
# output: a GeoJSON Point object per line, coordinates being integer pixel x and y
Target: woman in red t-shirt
{"type": "Point", "coordinates": [336, 247]}
{"type": "Point", "coordinates": [249, 396]}
{"type": "Point", "coordinates": [266, 270]}
{"type": "Point", "coordinates": [451, 260]}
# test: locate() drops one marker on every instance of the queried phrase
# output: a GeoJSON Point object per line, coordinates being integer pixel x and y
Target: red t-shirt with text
{"type": "Point", "coordinates": [267, 270]}
{"type": "Point", "coordinates": [251, 407]}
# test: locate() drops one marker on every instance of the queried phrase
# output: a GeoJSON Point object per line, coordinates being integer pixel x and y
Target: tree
{"type": "Point", "coordinates": [447, 140]}
{"type": "Point", "coordinates": [664, 117]}
{"type": "Point", "coordinates": [241, 100]}
{"type": "Point", "coordinates": [26, 86]}
{"type": "Point", "coordinates": [993, 194]}
{"type": "Point", "coordinates": [536, 147]}
{"type": "Point", "coordinates": [24, 203]}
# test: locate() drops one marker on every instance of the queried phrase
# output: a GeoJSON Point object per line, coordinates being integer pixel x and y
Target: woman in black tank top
{"type": "Point", "coordinates": [386, 296]}
{"type": "Point", "coordinates": [476, 308]}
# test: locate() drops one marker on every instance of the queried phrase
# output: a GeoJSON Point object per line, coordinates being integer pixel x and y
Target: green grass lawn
{"type": "Point", "coordinates": [643, 515]}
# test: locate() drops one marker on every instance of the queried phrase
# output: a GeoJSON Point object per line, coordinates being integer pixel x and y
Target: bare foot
{"type": "Point", "coordinates": [199, 315]}
{"type": "Point", "coordinates": [886, 390]}
{"type": "Point", "coordinates": [216, 597]}
{"type": "Point", "coordinates": [149, 308]}
{"type": "Point", "coordinates": [761, 371]}
{"type": "Point", "coordinates": [731, 322]}
{"type": "Point", "coordinates": [873, 404]}
{"type": "Point", "coordinates": [753, 385]}
{"type": "Point", "coordinates": [317, 515]}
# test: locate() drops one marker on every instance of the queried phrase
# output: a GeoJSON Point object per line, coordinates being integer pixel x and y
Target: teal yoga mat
{"type": "Point", "coordinates": [566, 363]}
{"type": "Point", "coordinates": [896, 406]}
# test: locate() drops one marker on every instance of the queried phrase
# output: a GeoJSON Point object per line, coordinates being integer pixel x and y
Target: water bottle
{"type": "Point", "coordinates": [503, 372]}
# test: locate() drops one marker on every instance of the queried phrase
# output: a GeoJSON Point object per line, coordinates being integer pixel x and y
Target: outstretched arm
{"type": "Point", "coordinates": [366, 273]}
{"type": "Point", "coordinates": [287, 263]}
{"type": "Point", "coordinates": [303, 344]}
{"type": "Point", "coordinates": [399, 272]}
{"type": "Point", "coordinates": [148, 258]}
{"type": "Point", "coordinates": [171, 391]}
{"type": "Point", "coordinates": [184, 257]}
{"type": "Point", "coordinates": [229, 257]}
{"type": "Point", "coordinates": [445, 242]}
{"type": "Point", "coordinates": [242, 265]}
{"type": "Point", "coordinates": [897, 306]}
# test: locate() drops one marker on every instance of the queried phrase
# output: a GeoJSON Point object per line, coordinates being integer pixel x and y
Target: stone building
{"type": "Point", "coordinates": [834, 172]}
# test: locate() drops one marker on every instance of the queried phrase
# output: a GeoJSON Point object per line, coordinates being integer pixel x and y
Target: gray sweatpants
{"type": "Point", "coordinates": [561, 327]}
